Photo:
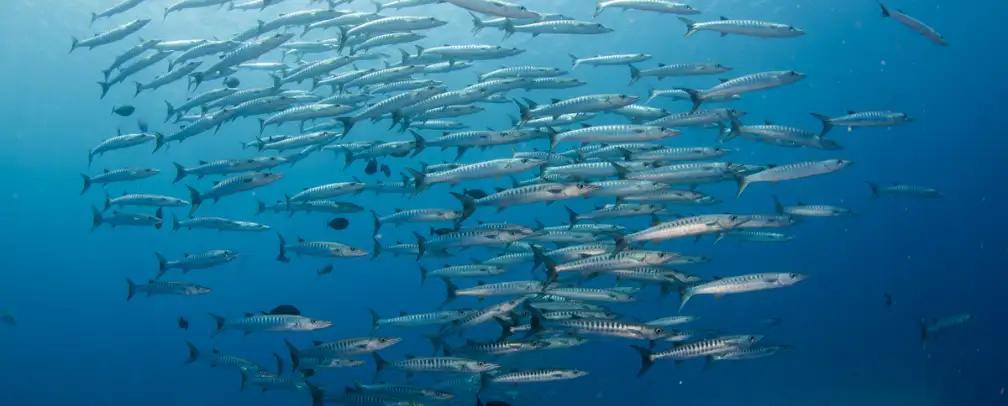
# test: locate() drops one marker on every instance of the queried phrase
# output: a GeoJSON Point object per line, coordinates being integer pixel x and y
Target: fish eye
{"type": "Point", "coordinates": [793, 275]}
{"type": "Point", "coordinates": [524, 160]}
{"type": "Point", "coordinates": [661, 255]}
{"type": "Point", "coordinates": [580, 185]}
{"type": "Point", "coordinates": [382, 340]}
{"type": "Point", "coordinates": [659, 330]}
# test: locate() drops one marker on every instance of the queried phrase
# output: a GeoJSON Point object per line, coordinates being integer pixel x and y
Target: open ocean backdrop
{"type": "Point", "coordinates": [79, 342]}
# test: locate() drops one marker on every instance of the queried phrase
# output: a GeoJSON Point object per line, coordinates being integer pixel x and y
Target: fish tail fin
{"type": "Point", "coordinates": [575, 61]}
{"type": "Point", "coordinates": [538, 258]}
{"type": "Point", "coordinates": [451, 291]}
{"type": "Point", "coordinates": [378, 7]}
{"type": "Point", "coordinates": [108, 202]}
{"type": "Point", "coordinates": [742, 182]}
{"type": "Point", "coordinates": [175, 225]}
{"type": "Point", "coordinates": [778, 207]}
{"type": "Point", "coordinates": [375, 320]}
{"type": "Point", "coordinates": [74, 42]}
{"type": "Point", "coordinates": [827, 124]}
{"type": "Point", "coordinates": [94, 16]}
{"type": "Point", "coordinates": [923, 330]}
{"type": "Point", "coordinates": [572, 216]}
{"type": "Point", "coordinates": [509, 28]}
{"type": "Point", "coordinates": [282, 256]}
{"type": "Point", "coordinates": [875, 191]}
{"type": "Point", "coordinates": [158, 141]}
{"type": "Point", "coordinates": [634, 74]}
{"type": "Point", "coordinates": [885, 10]}
{"type": "Point", "coordinates": [535, 323]}
{"type": "Point", "coordinates": [695, 96]}
{"type": "Point", "coordinates": [87, 183]}
{"type": "Point", "coordinates": [685, 294]}
{"type": "Point", "coordinates": [468, 206]}
{"type": "Point", "coordinates": [180, 172]}
{"type": "Point", "coordinates": [690, 26]}
{"type": "Point", "coordinates": [96, 218]}
{"type": "Point", "coordinates": [421, 245]}
{"type": "Point", "coordinates": [139, 88]}
{"type": "Point", "coordinates": [376, 251]}
{"type": "Point", "coordinates": [295, 355]}
{"type": "Point", "coordinates": [647, 359]}
{"type": "Point", "coordinates": [218, 324]}
{"type": "Point", "coordinates": [159, 215]}
{"type": "Point", "coordinates": [554, 138]}
{"type": "Point", "coordinates": [380, 364]}
{"type": "Point", "coordinates": [348, 123]}
{"type": "Point", "coordinates": [377, 223]}
{"type": "Point", "coordinates": [437, 342]}
{"type": "Point", "coordinates": [419, 180]}
{"type": "Point", "coordinates": [195, 197]}
{"type": "Point", "coordinates": [317, 396]}
{"type": "Point", "coordinates": [524, 113]}
{"type": "Point", "coordinates": [105, 86]}
{"type": "Point", "coordinates": [194, 353]}
{"type": "Point", "coordinates": [162, 265]}
{"type": "Point", "coordinates": [423, 274]}
{"type": "Point", "coordinates": [419, 143]}
{"type": "Point", "coordinates": [598, 8]}
{"type": "Point", "coordinates": [130, 289]}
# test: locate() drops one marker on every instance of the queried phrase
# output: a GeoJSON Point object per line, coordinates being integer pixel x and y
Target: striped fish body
{"type": "Point", "coordinates": [124, 141]}
{"type": "Point", "coordinates": [903, 190]}
{"type": "Point", "coordinates": [565, 237]}
{"type": "Point", "coordinates": [385, 75]}
{"type": "Point", "coordinates": [443, 364]}
{"type": "Point", "coordinates": [658, 6]}
{"type": "Point", "coordinates": [233, 185]}
{"type": "Point", "coordinates": [556, 83]}
{"type": "Point", "coordinates": [202, 260]}
{"type": "Point", "coordinates": [512, 288]}
{"type": "Point", "coordinates": [817, 210]}
{"type": "Point", "coordinates": [559, 121]}
{"type": "Point", "coordinates": [608, 328]}
{"type": "Point", "coordinates": [155, 287]}
{"type": "Point", "coordinates": [469, 52]}
{"type": "Point", "coordinates": [144, 200]}
{"type": "Point", "coordinates": [482, 316]}
{"type": "Point", "coordinates": [540, 375]}
{"type": "Point", "coordinates": [618, 151]}
{"type": "Point", "coordinates": [249, 51]}
{"type": "Point", "coordinates": [582, 104]}
{"type": "Point", "coordinates": [273, 382]}
{"type": "Point", "coordinates": [121, 175]}
{"type": "Point", "coordinates": [593, 294]}
{"type": "Point", "coordinates": [312, 363]}
{"type": "Point", "coordinates": [321, 249]}
{"type": "Point", "coordinates": [696, 118]}
{"type": "Point", "coordinates": [686, 173]}
{"type": "Point", "coordinates": [544, 192]}
{"type": "Point", "coordinates": [643, 274]}
{"type": "Point", "coordinates": [220, 224]}
{"type": "Point", "coordinates": [348, 347]}
{"type": "Point", "coordinates": [324, 206]}
{"type": "Point", "coordinates": [110, 36]}
{"type": "Point", "coordinates": [522, 72]}
{"type": "Point", "coordinates": [680, 94]}
{"type": "Point", "coordinates": [610, 211]}
{"type": "Point", "coordinates": [620, 59]}
{"type": "Point", "coordinates": [393, 24]}
{"type": "Point", "coordinates": [594, 169]}
{"type": "Point", "coordinates": [399, 101]}
{"type": "Point", "coordinates": [756, 236]}
{"type": "Point", "coordinates": [467, 271]}
{"type": "Point", "coordinates": [746, 283]}
{"type": "Point", "coordinates": [548, 158]}
{"type": "Point", "coordinates": [685, 69]}
{"type": "Point", "coordinates": [768, 221]}
{"type": "Point", "coordinates": [486, 169]}
{"type": "Point", "coordinates": [402, 85]}
{"type": "Point", "coordinates": [667, 155]}
{"type": "Point", "coordinates": [671, 196]}
{"type": "Point", "coordinates": [448, 112]}
{"type": "Point", "coordinates": [309, 112]}
{"type": "Point", "coordinates": [753, 82]}
{"type": "Point", "coordinates": [614, 133]}
{"type": "Point", "coordinates": [707, 347]}
{"type": "Point", "coordinates": [437, 125]}
{"type": "Point", "coordinates": [628, 187]}
{"type": "Point", "coordinates": [754, 28]}
{"type": "Point", "coordinates": [408, 391]}
{"type": "Point", "coordinates": [366, 42]}
{"type": "Point", "coordinates": [583, 251]}
{"type": "Point", "coordinates": [327, 191]}
{"type": "Point", "coordinates": [276, 322]}
{"type": "Point", "coordinates": [424, 319]}
{"type": "Point", "coordinates": [689, 226]}
{"type": "Point", "coordinates": [793, 171]}
{"type": "Point", "coordinates": [507, 260]}
{"type": "Point", "coordinates": [671, 321]}
{"type": "Point", "coordinates": [496, 8]}
{"type": "Point", "coordinates": [420, 216]}
{"type": "Point", "coordinates": [557, 27]}
{"type": "Point", "coordinates": [749, 353]}
{"type": "Point", "coordinates": [579, 314]}
{"type": "Point", "coordinates": [917, 25]}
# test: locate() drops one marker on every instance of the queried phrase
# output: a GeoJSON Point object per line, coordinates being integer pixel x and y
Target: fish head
{"type": "Point", "coordinates": [793, 31]}
{"type": "Point", "coordinates": [789, 279]}
{"type": "Point", "coordinates": [479, 366]}
{"type": "Point", "coordinates": [316, 324]}
{"type": "Point", "coordinates": [379, 343]}
{"type": "Point", "coordinates": [354, 252]}
{"type": "Point", "coordinates": [622, 100]}
{"type": "Point", "coordinates": [838, 163]}
{"type": "Point", "coordinates": [229, 255]}
{"type": "Point", "coordinates": [437, 394]}
{"type": "Point", "coordinates": [792, 76]}
{"type": "Point", "coordinates": [197, 290]}
{"type": "Point", "coordinates": [904, 117]}
{"type": "Point", "coordinates": [580, 189]}
{"type": "Point", "coordinates": [266, 178]}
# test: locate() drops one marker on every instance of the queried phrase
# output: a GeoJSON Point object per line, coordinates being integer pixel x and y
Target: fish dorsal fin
{"type": "Point", "coordinates": [403, 313]}
{"type": "Point", "coordinates": [717, 278]}
{"type": "Point", "coordinates": [585, 125]}
{"type": "Point", "coordinates": [661, 65]}
{"type": "Point", "coordinates": [379, 182]}
{"type": "Point", "coordinates": [480, 283]}
{"type": "Point", "coordinates": [771, 166]}
{"type": "Point", "coordinates": [202, 162]}
{"type": "Point", "coordinates": [470, 342]}
{"type": "Point", "coordinates": [106, 171]}
{"type": "Point", "coordinates": [801, 204]}
{"type": "Point", "coordinates": [286, 309]}
{"type": "Point", "coordinates": [499, 189]}
{"type": "Point", "coordinates": [398, 210]}
{"type": "Point", "coordinates": [185, 254]}
{"type": "Point", "coordinates": [216, 182]}
{"type": "Point", "coordinates": [446, 265]}
{"type": "Point", "coordinates": [317, 343]}
{"type": "Point", "coordinates": [215, 351]}
{"type": "Point", "coordinates": [409, 356]}
{"type": "Point", "coordinates": [851, 112]}
{"type": "Point", "coordinates": [301, 239]}
{"type": "Point", "coordinates": [768, 122]}
{"type": "Point", "coordinates": [398, 242]}
{"type": "Point", "coordinates": [723, 18]}
{"type": "Point", "coordinates": [480, 222]}
{"type": "Point", "coordinates": [722, 80]}
{"type": "Point", "coordinates": [249, 314]}
{"type": "Point", "coordinates": [555, 101]}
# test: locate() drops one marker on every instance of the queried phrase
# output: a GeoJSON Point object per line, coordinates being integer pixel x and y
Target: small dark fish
{"type": "Point", "coordinates": [385, 169]}
{"type": "Point", "coordinates": [143, 126]}
{"type": "Point", "coordinates": [8, 318]}
{"type": "Point", "coordinates": [124, 110]}
{"type": "Point", "coordinates": [339, 223]}
{"type": "Point", "coordinates": [474, 193]}
{"type": "Point", "coordinates": [441, 231]}
{"type": "Point", "coordinates": [232, 82]}
{"type": "Point", "coordinates": [372, 167]}
{"type": "Point", "coordinates": [325, 270]}
{"type": "Point", "coordinates": [183, 323]}
{"type": "Point", "coordinates": [888, 300]}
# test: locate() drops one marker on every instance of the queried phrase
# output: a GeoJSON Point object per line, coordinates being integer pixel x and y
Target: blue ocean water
{"type": "Point", "coordinates": [79, 341]}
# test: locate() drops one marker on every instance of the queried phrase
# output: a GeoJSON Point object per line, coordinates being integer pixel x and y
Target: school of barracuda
{"type": "Point", "coordinates": [370, 64]}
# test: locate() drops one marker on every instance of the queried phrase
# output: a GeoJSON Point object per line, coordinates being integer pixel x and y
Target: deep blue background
{"type": "Point", "coordinates": [80, 342]}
